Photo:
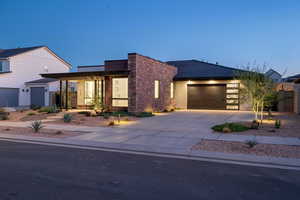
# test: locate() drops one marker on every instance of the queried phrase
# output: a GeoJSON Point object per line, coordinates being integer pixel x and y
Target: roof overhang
{"type": "Point", "coordinates": [85, 75]}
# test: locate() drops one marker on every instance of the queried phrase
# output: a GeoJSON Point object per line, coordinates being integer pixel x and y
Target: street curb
{"type": "Point", "coordinates": [159, 154]}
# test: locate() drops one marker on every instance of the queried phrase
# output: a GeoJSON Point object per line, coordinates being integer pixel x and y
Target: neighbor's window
{"type": "Point", "coordinates": [120, 92]}
{"type": "Point", "coordinates": [156, 89]}
{"type": "Point", "coordinates": [1, 66]}
{"type": "Point", "coordinates": [172, 90]}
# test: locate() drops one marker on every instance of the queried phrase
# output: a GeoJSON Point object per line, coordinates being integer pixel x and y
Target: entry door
{"type": "Point", "coordinates": [37, 96]}
{"type": "Point", "coordinates": [211, 97]}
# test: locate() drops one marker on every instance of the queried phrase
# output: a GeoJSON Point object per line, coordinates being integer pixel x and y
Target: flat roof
{"type": "Point", "coordinates": [85, 74]}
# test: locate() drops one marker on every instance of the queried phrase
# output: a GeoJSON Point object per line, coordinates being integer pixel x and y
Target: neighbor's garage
{"type": "Point", "coordinates": [9, 97]}
{"type": "Point", "coordinates": [204, 96]}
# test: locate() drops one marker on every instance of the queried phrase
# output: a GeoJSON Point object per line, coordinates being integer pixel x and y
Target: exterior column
{"type": "Point", "coordinates": [67, 95]}
{"type": "Point", "coordinates": [60, 95]}
{"type": "Point", "coordinates": [102, 91]}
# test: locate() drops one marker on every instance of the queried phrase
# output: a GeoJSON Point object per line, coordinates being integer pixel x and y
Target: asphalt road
{"type": "Point", "coordinates": [46, 172]}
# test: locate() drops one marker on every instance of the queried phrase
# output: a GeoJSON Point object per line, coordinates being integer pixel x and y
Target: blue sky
{"type": "Point", "coordinates": [231, 32]}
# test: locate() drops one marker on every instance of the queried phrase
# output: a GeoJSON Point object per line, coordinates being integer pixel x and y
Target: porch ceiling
{"type": "Point", "coordinates": [85, 75]}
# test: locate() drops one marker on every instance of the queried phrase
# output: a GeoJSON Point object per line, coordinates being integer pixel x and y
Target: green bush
{"type": "Point", "coordinates": [234, 127]}
{"type": "Point", "coordinates": [35, 107]}
{"type": "Point", "coordinates": [4, 117]}
{"type": "Point", "coordinates": [277, 124]}
{"type": "Point", "coordinates": [144, 114]}
{"type": "Point", "coordinates": [49, 109]}
{"type": "Point", "coordinates": [67, 118]}
{"type": "Point", "coordinates": [120, 113]}
{"type": "Point", "coordinates": [251, 143]}
{"type": "Point", "coordinates": [36, 126]}
{"type": "Point", "coordinates": [31, 113]}
{"type": "Point", "coordinates": [83, 112]}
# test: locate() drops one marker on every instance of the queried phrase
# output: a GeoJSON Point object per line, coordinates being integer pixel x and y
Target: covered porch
{"type": "Point", "coordinates": [99, 90]}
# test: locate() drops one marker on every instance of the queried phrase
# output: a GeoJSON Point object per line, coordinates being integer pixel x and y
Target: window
{"type": "Point", "coordinates": [1, 66]}
{"type": "Point", "coordinates": [120, 92]}
{"type": "Point", "coordinates": [89, 87]}
{"type": "Point", "coordinates": [172, 90]}
{"type": "Point", "coordinates": [156, 89]}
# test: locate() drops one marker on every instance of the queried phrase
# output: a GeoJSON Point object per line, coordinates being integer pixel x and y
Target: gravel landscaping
{"type": "Point", "coordinates": [42, 133]}
{"type": "Point", "coordinates": [28, 115]}
{"type": "Point", "coordinates": [83, 120]}
{"type": "Point", "coordinates": [286, 151]}
{"type": "Point", "coordinates": [290, 127]}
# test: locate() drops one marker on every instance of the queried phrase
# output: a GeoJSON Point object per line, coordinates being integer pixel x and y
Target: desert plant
{"type": "Point", "coordinates": [67, 118]}
{"type": "Point", "coordinates": [144, 114]}
{"type": "Point", "coordinates": [58, 132]}
{"type": "Point", "coordinates": [31, 113]}
{"type": "Point", "coordinates": [111, 123]}
{"type": "Point", "coordinates": [4, 117]}
{"type": "Point", "coordinates": [226, 129]}
{"type": "Point", "coordinates": [277, 124]}
{"type": "Point", "coordinates": [34, 107]}
{"type": "Point", "coordinates": [254, 124]}
{"type": "Point", "coordinates": [106, 115]}
{"type": "Point", "coordinates": [49, 109]}
{"type": "Point", "coordinates": [36, 126]}
{"type": "Point", "coordinates": [251, 143]}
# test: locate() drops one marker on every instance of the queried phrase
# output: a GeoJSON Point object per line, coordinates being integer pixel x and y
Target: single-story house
{"type": "Point", "coordinates": [20, 80]}
{"type": "Point", "coordinates": [140, 83]}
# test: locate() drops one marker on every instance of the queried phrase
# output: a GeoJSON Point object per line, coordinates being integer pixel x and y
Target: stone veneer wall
{"type": "Point", "coordinates": [143, 72]}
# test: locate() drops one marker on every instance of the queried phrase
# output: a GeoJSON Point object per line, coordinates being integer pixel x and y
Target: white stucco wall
{"type": "Point", "coordinates": [181, 92]}
{"type": "Point", "coordinates": [28, 67]}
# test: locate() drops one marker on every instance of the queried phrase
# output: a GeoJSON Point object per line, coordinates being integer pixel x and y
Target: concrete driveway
{"type": "Point", "coordinates": [180, 129]}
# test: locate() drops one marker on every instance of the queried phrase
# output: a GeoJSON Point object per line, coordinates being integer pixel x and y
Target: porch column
{"type": "Point", "coordinates": [67, 95]}
{"type": "Point", "coordinates": [60, 95]}
{"type": "Point", "coordinates": [96, 92]}
{"type": "Point", "coordinates": [102, 91]}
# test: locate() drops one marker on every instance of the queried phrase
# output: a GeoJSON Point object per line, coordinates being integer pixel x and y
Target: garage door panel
{"type": "Point", "coordinates": [207, 97]}
{"type": "Point", "coordinates": [9, 97]}
{"type": "Point", "coordinates": [37, 96]}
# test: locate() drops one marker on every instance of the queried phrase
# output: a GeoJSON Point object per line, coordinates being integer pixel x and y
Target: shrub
{"type": "Point", "coordinates": [255, 124]}
{"type": "Point", "coordinates": [234, 127]}
{"type": "Point", "coordinates": [49, 109]}
{"type": "Point", "coordinates": [83, 112]}
{"type": "Point", "coordinates": [35, 107]}
{"type": "Point", "coordinates": [251, 143]}
{"type": "Point", "coordinates": [2, 110]}
{"type": "Point", "coordinates": [111, 123]}
{"type": "Point", "coordinates": [36, 126]}
{"type": "Point", "coordinates": [144, 114]}
{"type": "Point", "coordinates": [31, 113]}
{"type": "Point", "coordinates": [106, 115]}
{"type": "Point", "coordinates": [226, 129]}
{"type": "Point", "coordinates": [67, 118]}
{"type": "Point", "coordinates": [277, 124]}
{"type": "Point", "coordinates": [58, 132]}
{"type": "Point", "coordinates": [120, 113]}
{"type": "Point", "coordinates": [4, 117]}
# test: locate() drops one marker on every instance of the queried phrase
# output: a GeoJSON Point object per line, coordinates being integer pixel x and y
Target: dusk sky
{"type": "Point", "coordinates": [88, 32]}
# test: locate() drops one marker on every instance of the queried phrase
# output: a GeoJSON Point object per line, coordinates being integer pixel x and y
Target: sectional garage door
{"type": "Point", "coordinates": [9, 97]}
{"type": "Point", "coordinates": [206, 97]}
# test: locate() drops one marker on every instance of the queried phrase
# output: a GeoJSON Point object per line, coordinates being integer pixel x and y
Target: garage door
{"type": "Point", "coordinates": [207, 97]}
{"type": "Point", "coordinates": [9, 97]}
{"type": "Point", "coordinates": [37, 96]}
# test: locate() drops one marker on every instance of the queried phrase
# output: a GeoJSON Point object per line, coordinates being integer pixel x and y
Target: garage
{"type": "Point", "coordinates": [204, 96]}
{"type": "Point", "coordinates": [9, 97]}
{"type": "Point", "coordinates": [37, 96]}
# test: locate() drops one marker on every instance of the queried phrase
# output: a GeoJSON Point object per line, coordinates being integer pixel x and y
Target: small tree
{"type": "Point", "coordinates": [256, 88]}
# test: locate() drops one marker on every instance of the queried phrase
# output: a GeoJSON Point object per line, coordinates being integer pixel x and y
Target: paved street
{"type": "Point", "coordinates": [44, 172]}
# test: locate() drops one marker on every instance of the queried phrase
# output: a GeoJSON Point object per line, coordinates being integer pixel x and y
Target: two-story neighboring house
{"type": "Point", "coordinates": [20, 80]}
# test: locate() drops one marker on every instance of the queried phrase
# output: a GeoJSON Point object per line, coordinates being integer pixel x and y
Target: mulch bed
{"type": "Point", "coordinates": [273, 150]}
{"type": "Point", "coordinates": [50, 133]}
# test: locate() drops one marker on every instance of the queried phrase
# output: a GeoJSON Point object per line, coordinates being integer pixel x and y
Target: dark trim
{"type": "Point", "coordinates": [202, 78]}
{"type": "Point", "coordinates": [83, 74]}
{"type": "Point", "coordinates": [5, 72]}
{"type": "Point", "coordinates": [67, 95]}
{"type": "Point", "coordinates": [89, 66]}
{"type": "Point", "coordinates": [60, 94]}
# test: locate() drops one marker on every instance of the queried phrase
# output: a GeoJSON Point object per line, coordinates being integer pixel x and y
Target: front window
{"type": "Point", "coordinates": [120, 92]}
{"type": "Point", "coordinates": [172, 90]}
{"type": "Point", "coordinates": [89, 92]}
{"type": "Point", "coordinates": [156, 89]}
